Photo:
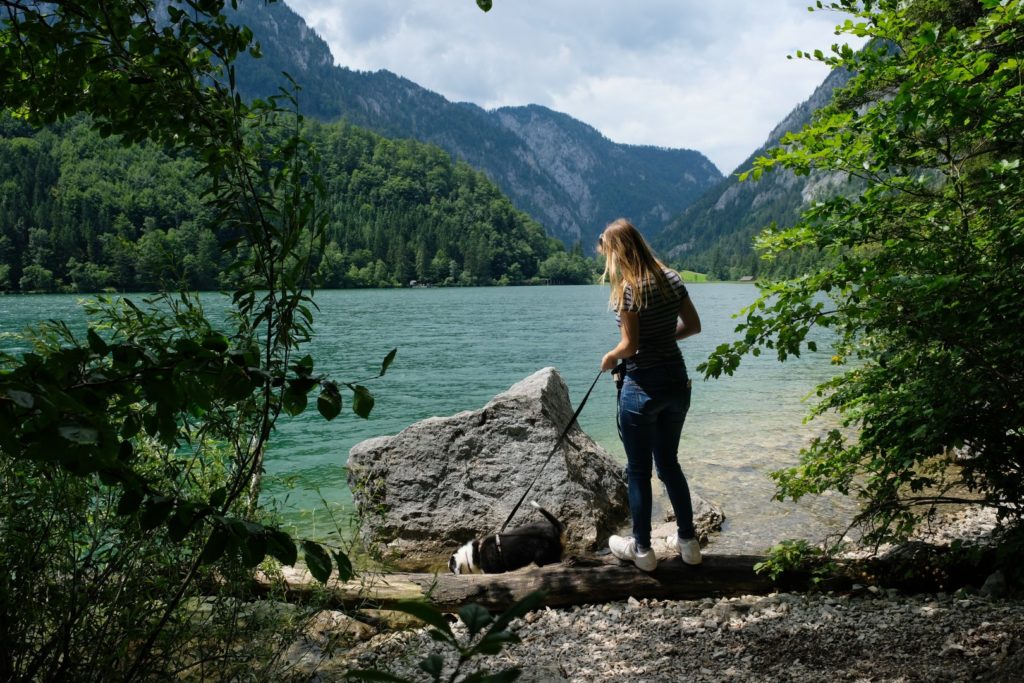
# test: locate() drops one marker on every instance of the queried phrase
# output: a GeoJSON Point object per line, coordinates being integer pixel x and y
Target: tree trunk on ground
{"type": "Point", "coordinates": [564, 584]}
{"type": "Point", "coordinates": [915, 567]}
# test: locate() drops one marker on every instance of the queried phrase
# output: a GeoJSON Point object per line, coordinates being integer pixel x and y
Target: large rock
{"type": "Point", "coordinates": [443, 481]}
{"type": "Point", "coordinates": [446, 480]}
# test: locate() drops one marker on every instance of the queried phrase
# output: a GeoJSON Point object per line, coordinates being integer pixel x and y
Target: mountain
{"type": "Point", "coordinates": [564, 173]}
{"type": "Point", "coordinates": [715, 233]}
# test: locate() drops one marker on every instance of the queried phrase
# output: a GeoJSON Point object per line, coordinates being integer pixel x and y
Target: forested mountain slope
{"type": "Point", "coordinates": [561, 171]}
{"type": "Point", "coordinates": [81, 213]}
{"type": "Point", "coordinates": [715, 233]}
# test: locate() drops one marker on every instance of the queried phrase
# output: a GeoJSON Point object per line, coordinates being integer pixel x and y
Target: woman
{"type": "Point", "coordinates": [653, 310]}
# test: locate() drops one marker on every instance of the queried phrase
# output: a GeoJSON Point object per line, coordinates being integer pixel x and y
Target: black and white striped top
{"type": "Point", "coordinates": [657, 344]}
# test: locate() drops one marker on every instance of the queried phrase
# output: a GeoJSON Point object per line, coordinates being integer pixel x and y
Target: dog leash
{"type": "Point", "coordinates": [553, 450]}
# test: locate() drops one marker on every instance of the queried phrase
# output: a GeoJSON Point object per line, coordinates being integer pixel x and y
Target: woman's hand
{"type": "Point", "coordinates": [609, 361]}
{"type": "Point", "coordinates": [629, 333]}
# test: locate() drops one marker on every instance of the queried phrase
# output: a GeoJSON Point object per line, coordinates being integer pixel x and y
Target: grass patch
{"type": "Point", "coordinates": [690, 276]}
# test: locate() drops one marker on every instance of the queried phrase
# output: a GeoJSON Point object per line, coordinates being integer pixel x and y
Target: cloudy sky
{"type": "Point", "coordinates": [710, 75]}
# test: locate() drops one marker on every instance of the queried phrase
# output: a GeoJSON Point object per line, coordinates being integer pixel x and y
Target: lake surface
{"type": "Point", "coordinates": [459, 347]}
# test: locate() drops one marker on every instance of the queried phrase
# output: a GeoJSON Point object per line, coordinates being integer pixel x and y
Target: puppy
{"type": "Point", "coordinates": [540, 543]}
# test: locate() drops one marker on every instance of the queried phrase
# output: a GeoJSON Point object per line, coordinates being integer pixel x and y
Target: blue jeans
{"type": "Point", "coordinates": [652, 408]}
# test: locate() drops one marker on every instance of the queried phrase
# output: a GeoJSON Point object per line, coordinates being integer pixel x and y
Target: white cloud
{"type": "Point", "coordinates": [710, 75]}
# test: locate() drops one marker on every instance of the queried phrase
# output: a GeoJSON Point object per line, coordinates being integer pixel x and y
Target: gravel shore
{"type": "Point", "coordinates": [867, 635]}
{"type": "Point", "coordinates": [874, 636]}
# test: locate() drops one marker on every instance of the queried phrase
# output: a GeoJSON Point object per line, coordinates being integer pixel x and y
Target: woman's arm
{"type": "Point", "coordinates": [629, 328]}
{"type": "Point", "coordinates": [689, 321]}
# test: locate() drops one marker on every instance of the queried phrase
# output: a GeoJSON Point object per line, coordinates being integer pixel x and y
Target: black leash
{"type": "Point", "coordinates": [557, 444]}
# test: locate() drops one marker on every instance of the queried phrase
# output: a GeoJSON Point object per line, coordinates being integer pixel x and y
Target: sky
{"type": "Point", "coordinates": [709, 75]}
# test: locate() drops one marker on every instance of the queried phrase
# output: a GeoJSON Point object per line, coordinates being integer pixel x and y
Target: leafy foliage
{"type": "Point", "coordinates": [715, 234]}
{"type": "Point", "coordinates": [132, 459]}
{"type": "Point", "coordinates": [154, 395]}
{"type": "Point", "coordinates": [85, 583]}
{"type": "Point", "coordinates": [922, 268]}
{"type": "Point", "coordinates": [796, 555]}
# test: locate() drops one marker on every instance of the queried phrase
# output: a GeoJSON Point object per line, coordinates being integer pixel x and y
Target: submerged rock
{"type": "Point", "coordinates": [446, 480]}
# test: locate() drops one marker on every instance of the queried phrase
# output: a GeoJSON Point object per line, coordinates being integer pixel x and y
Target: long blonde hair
{"type": "Point", "coordinates": [630, 262]}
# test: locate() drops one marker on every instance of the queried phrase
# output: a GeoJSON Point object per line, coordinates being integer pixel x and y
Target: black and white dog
{"type": "Point", "coordinates": [540, 543]}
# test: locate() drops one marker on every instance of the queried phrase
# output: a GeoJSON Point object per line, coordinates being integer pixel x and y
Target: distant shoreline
{"type": "Point", "coordinates": [688, 277]}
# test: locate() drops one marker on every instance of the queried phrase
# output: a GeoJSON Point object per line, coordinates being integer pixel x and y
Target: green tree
{"type": "Point", "coordinates": [36, 278]}
{"type": "Point", "coordinates": [154, 395]}
{"type": "Point", "coordinates": [922, 269]}
{"type": "Point", "coordinates": [567, 269]}
{"type": "Point", "coordinates": [87, 276]}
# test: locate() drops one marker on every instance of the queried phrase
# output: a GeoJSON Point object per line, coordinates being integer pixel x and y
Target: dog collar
{"type": "Point", "coordinates": [501, 557]}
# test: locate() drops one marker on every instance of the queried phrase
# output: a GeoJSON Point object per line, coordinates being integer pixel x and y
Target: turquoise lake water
{"type": "Point", "coordinates": [459, 347]}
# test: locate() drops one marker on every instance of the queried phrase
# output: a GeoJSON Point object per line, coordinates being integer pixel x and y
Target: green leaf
{"type": "Point", "coordinates": [485, 5]}
{"type": "Point", "coordinates": [433, 665]}
{"type": "Point", "coordinates": [130, 502]}
{"type": "Point", "coordinates": [492, 643]}
{"type": "Point", "coordinates": [519, 609]}
{"type": "Point", "coordinates": [235, 384]}
{"type": "Point", "coordinates": [303, 384]}
{"type": "Point", "coordinates": [281, 547]}
{"type": "Point", "coordinates": [154, 511]}
{"type": "Point", "coordinates": [79, 434]}
{"type": "Point", "coordinates": [317, 560]}
{"type": "Point", "coordinates": [304, 366]}
{"type": "Point", "coordinates": [345, 570]}
{"type": "Point", "coordinates": [254, 545]}
{"type": "Point", "coordinates": [329, 403]}
{"type": "Point", "coordinates": [179, 524]}
{"type": "Point", "coordinates": [125, 452]}
{"type": "Point", "coordinates": [215, 342]}
{"type": "Point", "coordinates": [928, 34]}
{"type": "Point", "coordinates": [132, 425]}
{"type": "Point", "coordinates": [216, 545]}
{"type": "Point", "coordinates": [22, 399]}
{"type": "Point", "coordinates": [388, 359]}
{"type": "Point", "coordinates": [217, 497]}
{"type": "Point", "coordinates": [429, 615]}
{"type": "Point", "coordinates": [362, 401]}
{"type": "Point", "coordinates": [293, 400]}
{"type": "Point", "coordinates": [96, 343]}
{"type": "Point", "coordinates": [475, 617]}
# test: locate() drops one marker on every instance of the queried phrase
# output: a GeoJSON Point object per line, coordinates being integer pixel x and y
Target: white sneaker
{"type": "Point", "coordinates": [625, 549]}
{"type": "Point", "coordinates": [689, 549]}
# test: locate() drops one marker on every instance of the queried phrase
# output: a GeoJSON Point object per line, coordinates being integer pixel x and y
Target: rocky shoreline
{"type": "Point", "coordinates": [872, 636]}
{"type": "Point", "coordinates": [442, 479]}
{"type": "Point", "coordinates": [869, 634]}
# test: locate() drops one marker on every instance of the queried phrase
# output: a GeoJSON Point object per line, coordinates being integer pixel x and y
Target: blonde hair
{"type": "Point", "coordinates": [630, 262]}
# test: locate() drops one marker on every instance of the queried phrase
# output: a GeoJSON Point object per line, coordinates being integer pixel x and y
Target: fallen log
{"type": "Point", "coordinates": [913, 567]}
{"type": "Point", "coordinates": [565, 584]}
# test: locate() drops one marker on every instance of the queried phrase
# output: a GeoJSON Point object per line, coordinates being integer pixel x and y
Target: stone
{"type": "Point", "coordinates": [994, 586]}
{"type": "Point", "coordinates": [443, 481]}
{"type": "Point", "coordinates": [707, 519]}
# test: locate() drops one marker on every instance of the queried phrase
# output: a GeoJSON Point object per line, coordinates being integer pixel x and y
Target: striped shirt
{"type": "Point", "coordinates": [657, 345]}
